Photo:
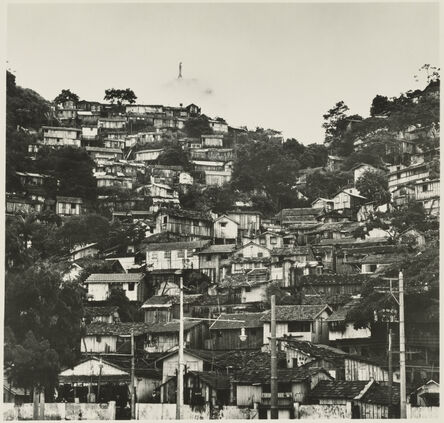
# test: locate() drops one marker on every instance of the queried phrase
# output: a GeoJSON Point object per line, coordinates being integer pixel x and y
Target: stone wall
{"type": "Point", "coordinates": [61, 411]}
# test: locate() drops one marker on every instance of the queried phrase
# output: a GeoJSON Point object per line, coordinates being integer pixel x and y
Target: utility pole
{"type": "Point", "coordinates": [179, 395]}
{"type": "Point", "coordinates": [403, 393]}
{"type": "Point", "coordinates": [133, 396]}
{"type": "Point", "coordinates": [274, 412]}
{"type": "Point", "coordinates": [390, 368]}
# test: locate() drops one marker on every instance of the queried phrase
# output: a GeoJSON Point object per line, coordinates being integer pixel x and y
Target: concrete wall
{"type": "Point", "coordinates": [62, 411]}
{"type": "Point", "coordinates": [317, 411]}
{"type": "Point", "coordinates": [231, 412]}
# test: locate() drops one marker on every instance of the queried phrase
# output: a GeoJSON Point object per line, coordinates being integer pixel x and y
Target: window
{"type": "Point", "coordinates": [223, 224]}
{"type": "Point", "coordinates": [181, 254]}
{"type": "Point", "coordinates": [248, 289]}
{"type": "Point", "coordinates": [98, 339]}
{"type": "Point", "coordinates": [260, 254]}
{"type": "Point", "coordinates": [131, 286]}
{"type": "Point", "coordinates": [165, 220]}
{"type": "Point", "coordinates": [424, 188]}
{"type": "Point", "coordinates": [273, 240]}
{"type": "Point", "coordinates": [262, 241]}
{"type": "Point", "coordinates": [154, 255]}
{"type": "Point", "coordinates": [299, 327]}
{"type": "Point", "coordinates": [167, 254]}
{"type": "Point", "coordinates": [208, 257]}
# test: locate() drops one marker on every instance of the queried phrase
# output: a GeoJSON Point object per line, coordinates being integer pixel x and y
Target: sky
{"type": "Point", "coordinates": [279, 66]}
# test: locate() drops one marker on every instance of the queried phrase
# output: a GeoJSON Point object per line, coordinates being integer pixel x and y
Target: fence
{"type": "Point", "coordinates": [61, 411]}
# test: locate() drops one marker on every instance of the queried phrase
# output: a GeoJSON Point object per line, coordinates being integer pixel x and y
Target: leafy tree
{"type": "Point", "coordinates": [219, 199]}
{"type": "Point", "coordinates": [374, 186]}
{"type": "Point", "coordinates": [120, 96]}
{"type": "Point", "coordinates": [196, 282]}
{"type": "Point", "coordinates": [174, 155]}
{"type": "Point", "coordinates": [128, 312]}
{"type": "Point", "coordinates": [195, 127]}
{"type": "Point", "coordinates": [380, 105]}
{"type": "Point", "coordinates": [66, 95]}
{"type": "Point", "coordinates": [39, 302]}
{"type": "Point", "coordinates": [335, 122]}
{"type": "Point", "coordinates": [325, 184]}
{"type": "Point", "coordinates": [33, 363]}
{"type": "Point", "coordinates": [73, 167]}
{"type": "Point", "coordinates": [314, 155]}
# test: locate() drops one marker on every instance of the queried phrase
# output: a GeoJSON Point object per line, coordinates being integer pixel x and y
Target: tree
{"type": "Point", "coordinates": [175, 156]}
{"type": "Point", "coordinates": [120, 96]}
{"type": "Point", "coordinates": [380, 105]}
{"type": "Point", "coordinates": [325, 184]}
{"type": "Point", "coordinates": [66, 95]}
{"type": "Point", "coordinates": [128, 312]}
{"type": "Point", "coordinates": [373, 185]}
{"type": "Point", "coordinates": [335, 121]}
{"type": "Point", "coordinates": [38, 301]}
{"type": "Point", "coordinates": [73, 167]}
{"type": "Point", "coordinates": [195, 127]}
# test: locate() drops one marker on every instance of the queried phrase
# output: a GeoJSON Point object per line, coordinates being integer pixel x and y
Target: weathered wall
{"type": "Point", "coordinates": [62, 411]}
{"type": "Point", "coordinates": [317, 411]}
{"type": "Point", "coordinates": [422, 412]}
{"type": "Point", "coordinates": [231, 412]}
{"type": "Point", "coordinates": [168, 412]}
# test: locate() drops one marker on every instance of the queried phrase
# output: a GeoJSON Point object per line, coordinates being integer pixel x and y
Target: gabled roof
{"type": "Point", "coordinates": [242, 247]}
{"type": "Point", "coordinates": [114, 278]}
{"type": "Point", "coordinates": [186, 214]}
{"type": "Point", "coordinates": [93, 311]}
{"type": "Point", "coordinates": [238, 321]}
{"type": "Point", "coordinates": [224, 216]}
{"type": "Point", "coordinates": [292, 313]}
{"type": "Point", "coordinates": [338, 389]}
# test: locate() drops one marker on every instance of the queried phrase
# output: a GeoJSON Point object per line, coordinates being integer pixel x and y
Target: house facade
{"type": "Point", "coordinates": [100, 285]}
{"type": "Point", "coordinates": [61, 136]}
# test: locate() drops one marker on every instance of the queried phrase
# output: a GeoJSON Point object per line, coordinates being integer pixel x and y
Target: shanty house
{"type": "Point", "coordinates": [225, 229]}
{"type": "Point", "coordinates": [249, 221]}
{"type": "Point", "coordinates": [247, 287]}
{"type": "Point", "coordinates": [237, 331]}
{"type": "Point", "coordinates": [68, 206]}
{"type": "Point", "coordinates": [185, 222]}
{"type": "Point", "coordinates": [348, 198]}
{"type": "Point", "coordinates": [100, 285]}
{"type": "Point", "coordinates": [212, 141]}
{"type": "Point", "coordinates": [307, 322]}
{"type": "Point", "coordinates": [174, 255]}
{"type": "Point", "coordinates": [211, 258]}
{"type": "Point", "coordinates": [61, 136]}
{"type": "Point", "coordinates": [250, 256]}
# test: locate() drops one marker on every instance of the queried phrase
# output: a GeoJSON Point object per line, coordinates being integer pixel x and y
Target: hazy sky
{"type": "Point", "coordinates": [272, 65]}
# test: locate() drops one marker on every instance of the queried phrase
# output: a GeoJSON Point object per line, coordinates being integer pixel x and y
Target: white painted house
{"type": "Point", "coordinates": [100, 285]}
{"type": "Point", "coordinates": [148, 155]}
{"type": "Point", "coordinates": [305, 322]}
{"type": "Point", "coordinates": [61, 136]}
{"type": "Point", "coordinates": [225, 228]}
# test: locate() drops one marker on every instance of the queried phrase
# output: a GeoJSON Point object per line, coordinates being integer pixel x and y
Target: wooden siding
{"type": "Point", "coordinates": [228, 339]}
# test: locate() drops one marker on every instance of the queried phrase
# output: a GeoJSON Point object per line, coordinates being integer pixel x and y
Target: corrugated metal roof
{"type": "Point", "coordinates": [114, 277]}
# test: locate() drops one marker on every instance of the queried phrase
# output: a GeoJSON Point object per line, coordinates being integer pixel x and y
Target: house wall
{"type": "Point", "coordinates": [253, 250]}
{"type": "Point", "coordinates": [358, 370]}
{"type": "Point", "coordinates": [217, 178]}
{"type": "Point", "coordinates": [89, 132]}
{"type": "Point", "coordinates": [228, 339]}
{"type": "Point", "coordinates": [101, 291]}
{"type": "Point", "coordinates": [184, 226]}
{"type": "Point", "coordinates": [282, 329]}
{"type": "Point", "coordinates": [111, 124]}
{"type": "Point", "coordinates": [254, 294]}
{"type": "Point", "coordinates": [145, 388]}
{"type": "Point", "coordinates": [342, 201]}
{"type": "Point", "coordinates": [426, 190]}
{"type": "Point", "coordinates": [170, 365]}
{"type": "Point", "coordinates": [148, 155]}
{"type": "Point", "coordinates": [64, 208]}
{"type": "Point", "coordinates": [406, 175]}
{"type": "Point", "coordinates": [87, 252]}
{"type": "Point", "coordinates": [349, 333]}
{"type": "Point", "coordinates": [247, 395]}
{"type": "Point", "coordinates": [225, 229]}
{"type": "Point", "coordinates": [176, 259]}
{"type": "Point", "coordinates": [157, 315]}
{"type": "Point", "coordinates": [246, 221]}
{"type": "Point", "coordinates": [98, 344]}
{"type": "Point", "coordinates": [269, 240]}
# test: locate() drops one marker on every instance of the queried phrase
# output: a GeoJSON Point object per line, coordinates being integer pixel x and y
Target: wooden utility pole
{"type": "Point", "coordinates": [390, 369]}
{"type": "Point", "coordinates": [274, 412]}
{"type": "Point", "coordinates": [403, 393]}
{"type": "Point", "coordinates": [179, 395]}
{"type": "Point", "coordinates": [133, 367]}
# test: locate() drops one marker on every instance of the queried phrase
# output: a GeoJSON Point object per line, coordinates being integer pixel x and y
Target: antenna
{"type": "Point", "coordinates": [180, 70]}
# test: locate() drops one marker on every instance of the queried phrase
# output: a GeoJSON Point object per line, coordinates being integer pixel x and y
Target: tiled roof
{"type": "Point", "coordinates": [379, 394]}
{"type": "Point", "coordinates": [343, 227]}
{"type": "Point", "coordinates": [169, 246]}
{"type": "Point", "coordinates": [291, 251]}
{"type": "Point", "coordinates": [263, 375]}
{"type": "Point", "coordinates": [219, 249]}
{"type": "Point", "coordinates": [337, 389]}
{"type": "Point", "coordinates": [289, 216]}
{"type": "Point", "coordinates": [104, 150]}
{"type": "Point", "coordinates": [334, 279]}
{"type": "Point", "coordinates": [315, 350]}
{"type": "Point", "coordinates": [186, 214]}
{"type": "Point", "coordinates": [100, 311]}
{"type": "Point", "coordinates": [382, 258]}
{"type": "Point", "coordinates": [290, 313]}
{"type": "Point", "coordinates": [139, 328]}
{"type": "Point", "coordinates": [238, 320]}
{"type": "Point", "coordinates": [114, 278]}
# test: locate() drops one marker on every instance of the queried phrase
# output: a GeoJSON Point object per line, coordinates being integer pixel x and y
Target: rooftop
{"type": "Point", "coordinates": [169, 246]}
{"type": "Point", "coordinates": [219, 249]}
{"type": "Point", "coordinates": [290, 313]}
{"type": "Point", "coordinates": [238, 321]}
{"type": "Point", "coordinates": [114, 278]}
